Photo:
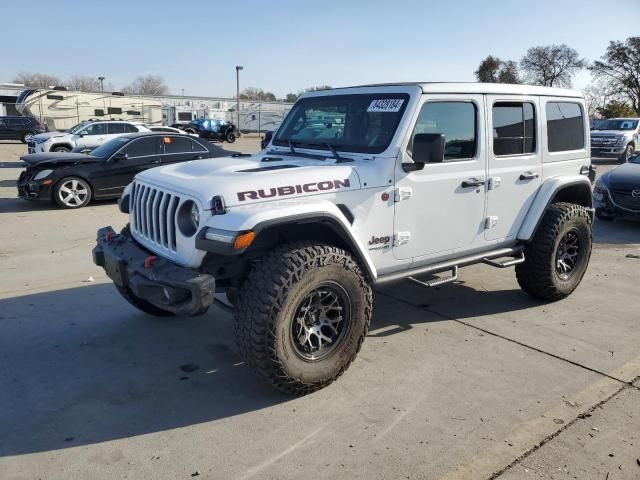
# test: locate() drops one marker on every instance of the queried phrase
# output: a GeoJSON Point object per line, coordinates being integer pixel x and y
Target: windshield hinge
{"type": "Point", "coordinates": [403, 193]}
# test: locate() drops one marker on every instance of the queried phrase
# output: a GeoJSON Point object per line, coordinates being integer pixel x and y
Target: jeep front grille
{"type": "Point", "coordinates": [154, 215]}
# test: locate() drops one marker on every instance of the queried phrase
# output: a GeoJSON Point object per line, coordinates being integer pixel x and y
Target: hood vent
{"type": "Point", "coordinates": [266, 169]}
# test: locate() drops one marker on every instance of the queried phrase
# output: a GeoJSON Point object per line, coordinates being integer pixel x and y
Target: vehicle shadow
{"type": "Point", "coordinates": [617, 232]}
{"type": "Point", "coordinates": [13, 165]}
{"type": "Point", "coordinates": [20, 205]}
{"type": "Point", "coordinates": [80, 366]}
{"type": "Point", "coordinates": [8, 183]}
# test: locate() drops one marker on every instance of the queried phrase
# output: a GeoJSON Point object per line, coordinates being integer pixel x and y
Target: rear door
{"type": "Point", "coordinates": [180, 148]}
{"type": "Point", "coordinates": [514, 155]}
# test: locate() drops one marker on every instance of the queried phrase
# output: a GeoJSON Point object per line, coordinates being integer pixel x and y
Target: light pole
{"type": "Point", "coordinates": [183, 92]}
{"type": "Point", "coordinates": [101, 84]}
{"type": "Point", "coordinates": [238, 68]}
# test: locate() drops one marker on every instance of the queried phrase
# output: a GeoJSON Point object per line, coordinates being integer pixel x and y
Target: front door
{"type": "Point", "coordinates": [93, 136]}
{"type": "Point", "coordinates": [440, 208]}
{"type": "Point", "coordinates": [514, 162]}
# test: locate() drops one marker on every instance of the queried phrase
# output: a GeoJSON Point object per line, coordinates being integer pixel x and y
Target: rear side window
{"type": "Point", "coordinates": [96, 129]}
{"type": "Point", "coordinates": [177, 144]}
{"type": "Point", "coordinates": [514, 128]}
{"type": "Point", "coordinates": [128, 128]}
{"type": "Point", "coordinates": [565, 126]}
{"type": "Point", "coordinates": [115, 128]}
{"type": "Point", "coordinates": [456, 121]}
{"type": "Point", "coordinates": [143, 147]}
{"type": "Point", "coordinates": [196, 147]}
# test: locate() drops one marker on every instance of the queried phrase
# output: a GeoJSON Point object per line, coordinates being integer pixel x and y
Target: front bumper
{"type": "Point", "coordinates": [598, 151]}
{"type": "Point", "coordinates": [33, 147]}
{"type": "Point", "coordinates": [180, 290]}
{"type": "Point", "coordinates": [30, 189]}
{"type": "Point", "coordinates": [604, 205]}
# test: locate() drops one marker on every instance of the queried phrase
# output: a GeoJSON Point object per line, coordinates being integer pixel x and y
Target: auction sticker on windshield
{"type": "Point", "coordinates": [390, 105]}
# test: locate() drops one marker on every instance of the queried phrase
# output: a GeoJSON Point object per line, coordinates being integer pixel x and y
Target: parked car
{"type": "Point", "coordinates": [163, 128]}
{"type": "Point", "coordinates": [20, 128]}
{"type": "Point", "coordinates": [617, 192]}
{"type": "Point", "coordinates": [418, 179]}
{"type": "Point", "coordinates": [213, 129]}
{"type": "Point", "coordinates": [87, 135]}
{"type": "Point", "coordinates": [72, 180]}
{"type": "Point", "coordinates": [616, 138]}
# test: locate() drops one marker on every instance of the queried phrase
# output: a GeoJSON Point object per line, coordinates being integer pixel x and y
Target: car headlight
{"type": "Point", "coordinates": [188, 218]}
{"type": "Point", "coordinates": [620, 140]}
{"type": "Point", "coordinates": [43, 174]}
{"type": "Point", "coordinates": [41, 140]}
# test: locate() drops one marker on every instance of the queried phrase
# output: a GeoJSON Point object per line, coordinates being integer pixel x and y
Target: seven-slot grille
{"type": "Point", "coordinates": [625, 199]}
{"type": "Point", "coordinates": [154, 215]}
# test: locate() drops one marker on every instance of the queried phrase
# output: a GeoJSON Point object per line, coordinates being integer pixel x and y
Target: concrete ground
{"type": "Point", "coordinates": [471, 380]}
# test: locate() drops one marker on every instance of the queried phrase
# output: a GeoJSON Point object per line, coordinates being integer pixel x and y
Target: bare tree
{"type": "Point", "coordinates": [621, 66]}
{"type": "Point", "coordinates": [494, 70]}
{"type": "Point", "coordinates": [318, 88]}
{"type": "Point", "coordinates": [552, 65]}
{"type": "Point", "coordinates": [37, 80]}
{"type": "Point", "coordinates": [147, 85]}
{"type": "Point", "coordinates": [253, 93]}
{"type": "Point", "coordinates": [83, 83]}
{"type": "Point", "coordinates": [598, 94]}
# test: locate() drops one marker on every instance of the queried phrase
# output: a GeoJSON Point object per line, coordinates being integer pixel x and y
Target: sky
{"type": "Point", "coordinates": [286, 46]}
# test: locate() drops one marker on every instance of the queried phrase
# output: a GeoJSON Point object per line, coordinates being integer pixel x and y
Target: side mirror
{"type": "Point", "coordinates": [120, 156]}
{"type": "Point", "coordinates": [267, 138]}
{"type": "Point", "coordinates": [427, 148]}
{"type": "Point", "coordinates": [82, 134]}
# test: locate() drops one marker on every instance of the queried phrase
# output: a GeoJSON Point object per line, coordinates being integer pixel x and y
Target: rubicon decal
{"type": "Point", "coordinates": [293, 189]}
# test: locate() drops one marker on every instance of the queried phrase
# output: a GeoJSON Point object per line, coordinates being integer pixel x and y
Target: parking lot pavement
{"type": "Point", "coordinates": [455, 382]}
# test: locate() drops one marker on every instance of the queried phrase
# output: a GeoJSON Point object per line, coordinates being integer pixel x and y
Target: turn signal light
{"type": "Point", "coordinates": [243, 240]}
{"type": "Point", "coordinates": [47, 182]}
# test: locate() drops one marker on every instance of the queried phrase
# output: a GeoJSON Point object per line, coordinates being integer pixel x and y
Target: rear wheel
{"type": "Point", "coordinates": [230, 137]}
{"type": "Point", "coordinates": [558, 255]}
{"type": "Point", "coordinates": [72, 192]}
{"type": "Point", "coordinates": [302, 315]}
{"type": "Point", "coordinates": [141, 304]}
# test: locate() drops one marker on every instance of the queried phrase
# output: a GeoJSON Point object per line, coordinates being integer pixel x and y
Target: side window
{"type": "Point", "coordinates": [143, 147]}
{"type": "Point", "coordinates": [116, 128]}
{"type": "Point", "coordinates": [196, 147]}
{"type": "Point", "coordinates": [177, 144]}
{"type": "Point", "coordinates": [456, 121]}
{"type": "Point", "coordinates": [128, 128]}
{"type": "Point", "coordinates": [96, 129]}
{"type": "Point", "coordinates": [514, 128]}
{"type": "Point", "coordinates": [565, 127]}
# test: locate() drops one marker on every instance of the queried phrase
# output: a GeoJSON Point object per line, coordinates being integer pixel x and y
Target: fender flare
{"type": "Point", "coordinates": [547, 194]}
{"type": "Point", "coordinates": [319, 212]}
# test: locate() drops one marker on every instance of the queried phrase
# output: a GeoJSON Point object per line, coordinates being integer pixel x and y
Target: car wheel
{"type": "Point", "coordinates": [72, 192]}
{"type": "Point", "coordinates": [27, 136]}
{"type": "Point", "coordinates": [230, 137]}
{"type": "Point", "coordinates": [302, 315]}
{"type": "Point", "coordinates": [558, 255]}
{"type": "Point", "coordinates": [142, 304]}
{"type": "Point", "coordinates": [61, 149]}
{"type": "Point", "coordinates": [626, 155]}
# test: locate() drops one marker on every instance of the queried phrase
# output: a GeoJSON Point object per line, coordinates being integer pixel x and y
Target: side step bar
{"type": "Point", "coordinates": [437, 281]}
{"type": "Point", "coordinates": [483, 257]}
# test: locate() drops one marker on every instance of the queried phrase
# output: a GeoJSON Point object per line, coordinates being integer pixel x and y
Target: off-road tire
{"type": "Point", "coordinates": [538, 275]}
{"type": "Point", "coordinates": [626, 155]}
{"type": "Point", "coordinates": [141, 304]}
{"type": "Point", "coordinates": [271, 295]}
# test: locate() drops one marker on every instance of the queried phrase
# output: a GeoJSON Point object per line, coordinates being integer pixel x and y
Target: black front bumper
{"type": "Point", "coordinates": [31, 189]}
{"type": "Point", "coordinates": [181, 290]}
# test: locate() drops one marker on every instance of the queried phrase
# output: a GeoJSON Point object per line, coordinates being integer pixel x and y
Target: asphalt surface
{"type": "Point", "coordinates": [469, 380]}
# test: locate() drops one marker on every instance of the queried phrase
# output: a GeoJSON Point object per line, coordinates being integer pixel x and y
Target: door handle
{"type": "Point", "coordinates": [528, 176]}
{"type": "Point", "coordinates": [473, 182]}
{"type": "Point", "coordinates": [157, 161]}
{"type": "Point", "coordinates": [197, 157]}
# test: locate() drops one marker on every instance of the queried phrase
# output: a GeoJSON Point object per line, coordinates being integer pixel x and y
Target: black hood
{"type": "Point", "coordinates": [623, 177]}
{"type": "Point", "coordinates": [58, 158]}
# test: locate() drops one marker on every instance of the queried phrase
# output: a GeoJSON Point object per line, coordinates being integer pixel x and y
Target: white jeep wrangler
{"type": "Point", "coordinates": [360, 186]}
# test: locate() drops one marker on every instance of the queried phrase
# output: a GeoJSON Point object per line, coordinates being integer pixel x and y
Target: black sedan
{"type": "Point", "coordinates": [617, 192]}
{"type": "Point", "coordinates": [72, 180]}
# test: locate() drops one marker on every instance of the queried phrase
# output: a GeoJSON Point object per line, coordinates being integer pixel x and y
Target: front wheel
{"type": "Point", "coordinates": [230, 137]}
{"type": "Point", "coordinates": [302, 315]}
{"type": "Point", "coordinates": [27, 136]}
{"type": "Point", "coordinates": [72, 192]}
{"type": "Point", "coordinates": [626, 155]}
{"type": "Point", "coordinates": [558, 255]}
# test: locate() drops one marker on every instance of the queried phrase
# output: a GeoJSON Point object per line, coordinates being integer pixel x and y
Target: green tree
{"type": "Point", "coordinates": [615, 109]}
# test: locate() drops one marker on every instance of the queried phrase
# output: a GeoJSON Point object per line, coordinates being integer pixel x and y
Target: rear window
{"type": "Point", "coordinates": [177, 144]}
{"type": "Point", "coordinates": [565, 126]}
{"type": "Point", "coordinates": [514, 128]}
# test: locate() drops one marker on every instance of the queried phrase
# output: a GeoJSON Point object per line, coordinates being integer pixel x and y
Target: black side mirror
{"type": "Point", "coordinates": [120, 156]}
{"type": "Point", "coordinates": [267, 138]}
{"type": "Point", "coordinates": [427, 148]}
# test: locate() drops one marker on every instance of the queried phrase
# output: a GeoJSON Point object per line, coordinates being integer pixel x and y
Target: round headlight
{"type": "Point", "coordinates": [188, 218]}
{"type": "Point", "coordinates": [195, 216]}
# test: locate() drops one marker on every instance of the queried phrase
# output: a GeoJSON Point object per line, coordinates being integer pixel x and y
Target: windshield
{"type": "Point", "coordinates": [350, 123]}
{"type": "Point", "coordinates": [77, 127]}
{"type": "Point", "coordinates": [617, 125]}
{"type": "Point", "coordinates": [109, 148]}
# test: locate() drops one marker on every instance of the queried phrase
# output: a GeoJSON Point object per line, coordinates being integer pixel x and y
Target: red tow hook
{"type": "Point", "coordinates": [108, 236]}
{"type": "Point", "coordinates": [148, 262]}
